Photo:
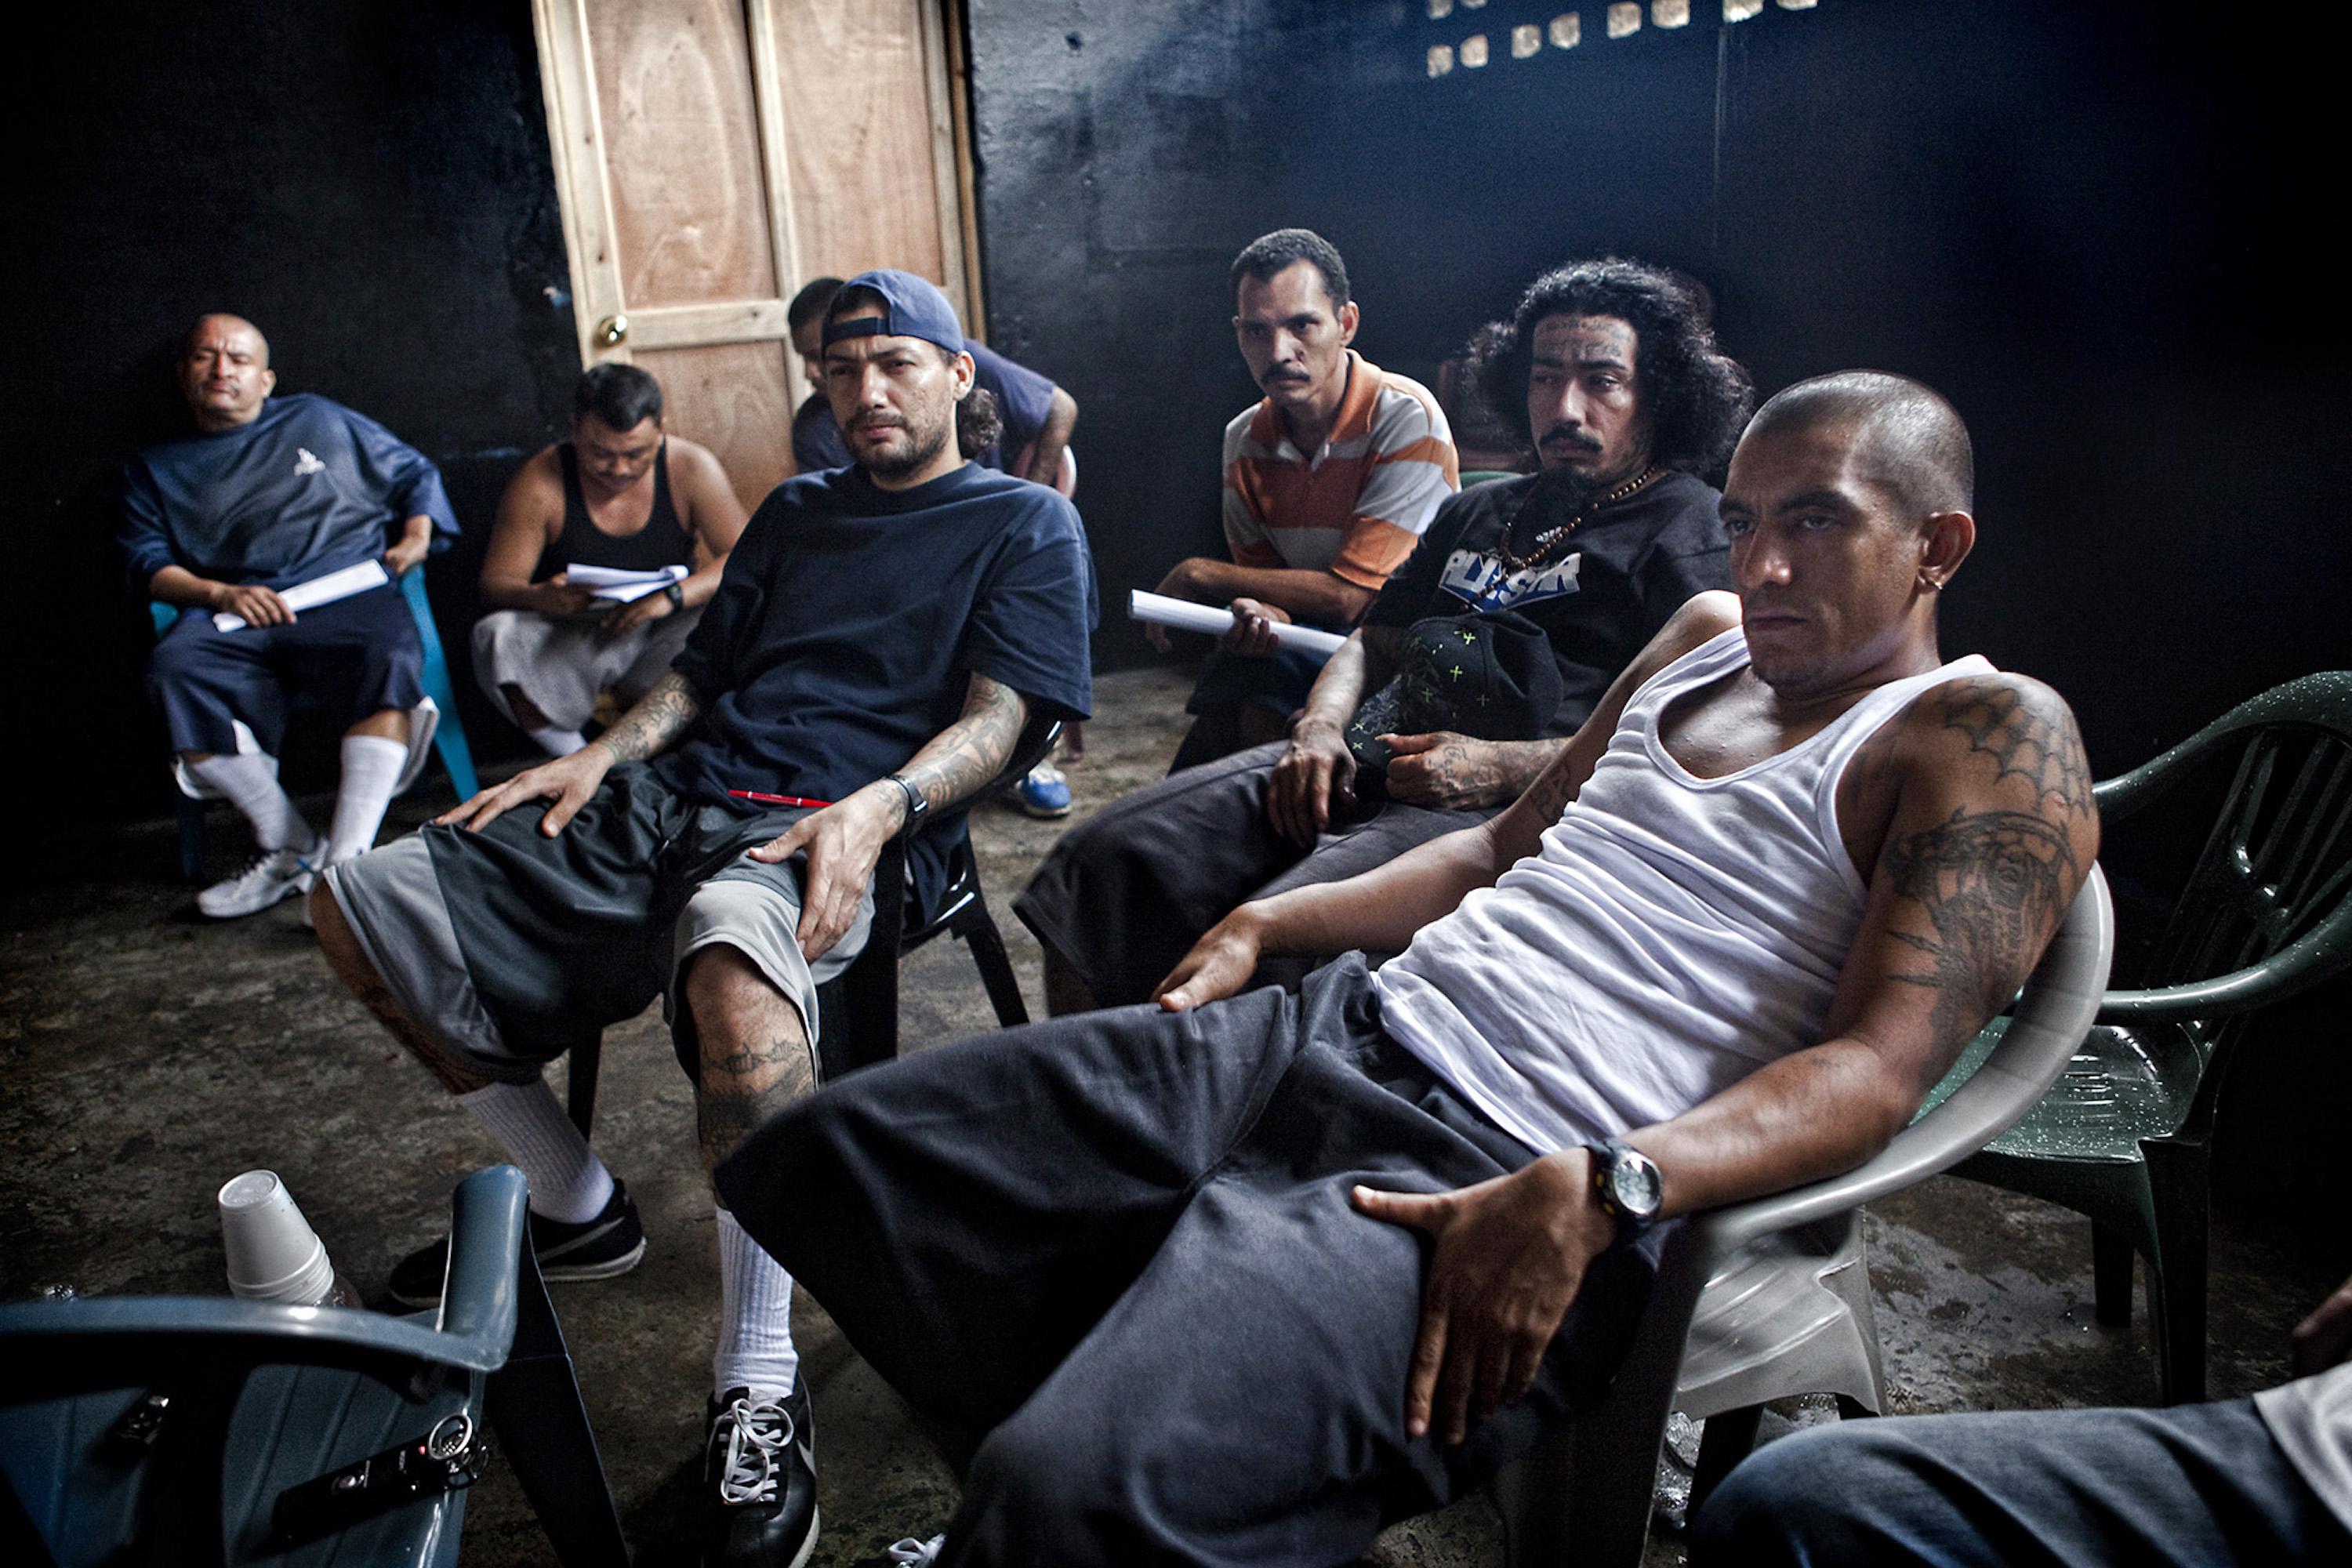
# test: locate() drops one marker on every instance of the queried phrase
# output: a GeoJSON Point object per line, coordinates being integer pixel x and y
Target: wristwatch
{"type": "Point", "coordinates": [674, 594]}
{"type": "Point", "coordinates": [1628, 1185]}
{"type": "Point", "coordinates": [916, 804]}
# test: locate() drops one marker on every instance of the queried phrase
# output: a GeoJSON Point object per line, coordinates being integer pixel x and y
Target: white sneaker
{"type": "Point", "coordinates": [272, 875]}
{"type": "Point", "coordinates": [908, 1552]}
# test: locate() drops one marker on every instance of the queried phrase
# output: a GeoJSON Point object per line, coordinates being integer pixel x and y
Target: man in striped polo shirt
{"type": "Point", "coordinates": [1330, 480]}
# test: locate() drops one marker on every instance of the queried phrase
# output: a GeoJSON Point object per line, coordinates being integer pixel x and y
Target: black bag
{"type": "Point", "coordinates": [1489, 675]}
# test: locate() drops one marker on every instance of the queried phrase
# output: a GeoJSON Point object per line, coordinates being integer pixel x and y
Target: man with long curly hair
{"type": "Point", "coordinates": [1629, 408]}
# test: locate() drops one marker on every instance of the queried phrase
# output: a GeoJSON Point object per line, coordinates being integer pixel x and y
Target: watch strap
{"type": "Point", "coordinates": [674, 594]}
{"type": "Point", "coordinates": [916, 806]}
{"type": "Point", "coordinates": [1606, 1157]}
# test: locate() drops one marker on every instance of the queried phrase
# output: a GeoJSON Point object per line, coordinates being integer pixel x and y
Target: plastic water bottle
{"type": "Point", "coordinates": [273, 1253]}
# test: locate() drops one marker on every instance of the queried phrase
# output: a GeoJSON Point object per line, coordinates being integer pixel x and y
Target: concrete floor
{"type": "Point", "coordinates": [146, 1056]}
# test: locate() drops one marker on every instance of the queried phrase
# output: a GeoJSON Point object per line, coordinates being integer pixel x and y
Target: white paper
{"type": "Point", "coordinates": [1215, 620]}
{"type": "Point", "coordinates": [618, 586]}
{"type": "Point", "coordinates": [318, 591]}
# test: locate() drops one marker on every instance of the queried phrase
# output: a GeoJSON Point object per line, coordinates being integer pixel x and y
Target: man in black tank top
{"type": "Point", "coordinates": [621, 495]}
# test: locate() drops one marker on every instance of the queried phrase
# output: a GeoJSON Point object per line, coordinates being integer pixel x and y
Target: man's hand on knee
{"type": "Point", "coordinates": [1511, 1254]}
{"type": "Point", "coordinates": [1314, 778]}
{"type": "Point", "coordinates": [843, 841]}
{"type": "Point", "coordinates": [1219, 965]}
{"type": "Point", "coordinates": [567, 781]}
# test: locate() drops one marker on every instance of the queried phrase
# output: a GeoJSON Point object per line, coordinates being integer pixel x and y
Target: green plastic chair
{"type": "Point", "coordinates": [2265, 914]}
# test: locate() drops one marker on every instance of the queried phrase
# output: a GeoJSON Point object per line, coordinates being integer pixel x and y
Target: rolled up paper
{"type": "Point", "coordinates": [1187, 616]}
{"type": "Point", "coordinates": [318, 591]}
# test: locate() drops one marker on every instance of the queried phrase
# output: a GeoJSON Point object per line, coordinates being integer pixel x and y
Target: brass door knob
{"type": "Point", "coordinates": [612, 330]}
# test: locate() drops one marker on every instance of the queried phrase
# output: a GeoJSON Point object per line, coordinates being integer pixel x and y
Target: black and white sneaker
{"type": "Point", "coordinates": [759, 1481]}
{"type": "Point", "coordinates": [613, 1243]}
{"type": "Point", "coordinates": [908, 1552]}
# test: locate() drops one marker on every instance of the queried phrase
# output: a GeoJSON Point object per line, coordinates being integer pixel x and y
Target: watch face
{"type": "Point", "coordinates": [1635, 1184]}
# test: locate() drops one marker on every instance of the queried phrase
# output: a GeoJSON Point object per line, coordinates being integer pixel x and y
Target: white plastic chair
{"type": "Point", "coordinates": [1772, 1298]}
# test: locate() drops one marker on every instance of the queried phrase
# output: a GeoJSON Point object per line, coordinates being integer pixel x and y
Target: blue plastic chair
{"type": "Point", "coordinates": [449, 739]}
{"type": "Point", "coordinates": [264, 1397]}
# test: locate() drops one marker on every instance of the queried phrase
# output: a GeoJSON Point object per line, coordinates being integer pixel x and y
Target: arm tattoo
{"type": "Point", "coordinates": [973, 750]}
{"type": "Point", "coordinates": [659, 717]}
{"type": "Point", "coordinates": [1994, 885]}
{"type": "Point", "coordinates": [2028, 739]}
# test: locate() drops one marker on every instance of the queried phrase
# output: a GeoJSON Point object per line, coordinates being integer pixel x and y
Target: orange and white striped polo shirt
{"type": "Point", "coordinates": [1356, 508]}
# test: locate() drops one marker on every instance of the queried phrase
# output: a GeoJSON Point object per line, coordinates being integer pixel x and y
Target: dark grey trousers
{"type": "Point", "coordinates": [1116, 1251]}
{"type": "Point", "coordinates": [1128, 892]}
{"type": "Point", "coordinates": [2193, 1484]}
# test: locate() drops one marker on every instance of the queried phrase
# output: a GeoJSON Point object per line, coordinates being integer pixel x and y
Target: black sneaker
{"type": "Point", "coordinates": [599, 1249]}
{"type": "Point", "coordinates": [759, 1481]}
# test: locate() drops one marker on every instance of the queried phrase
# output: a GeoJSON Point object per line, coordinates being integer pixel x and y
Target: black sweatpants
{"type": "Point", "coordinates": [1125, 894]}
{"type": "Point", "coordinates": [1116, 1250]}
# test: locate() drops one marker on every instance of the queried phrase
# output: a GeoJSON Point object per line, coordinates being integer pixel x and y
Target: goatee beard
{"type": "Point", "coordinates": [919, 453]}
{"type": "Point", "coordinates": [1571, 489]}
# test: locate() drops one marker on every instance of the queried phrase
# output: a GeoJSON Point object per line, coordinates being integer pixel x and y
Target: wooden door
{"type": "Point", "coordinates": [712, 155]}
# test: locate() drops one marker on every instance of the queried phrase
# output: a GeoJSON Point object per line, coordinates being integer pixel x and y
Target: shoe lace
{"type": "Point", "coordinates": [756, 1434]}
{"type": "Point", "coordinates": [908, 1552]}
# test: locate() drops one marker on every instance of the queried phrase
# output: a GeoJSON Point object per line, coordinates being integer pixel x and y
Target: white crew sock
{"type": "Point", "coordinates": [372, 769]}
{"type": "Point", "coordinates": [558, 743]}
{"type": "Point", "coordinates": [250, 781]}
{"type": "Point", "coordinates": [755, 1317]}
{"type": "Point", "coordinates": [568, 1183]}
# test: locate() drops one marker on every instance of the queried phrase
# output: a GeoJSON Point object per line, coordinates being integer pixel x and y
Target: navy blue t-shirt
{"type": "Point", "coordinates": [308, 488]}
{"type": "Point", "coordinates": [849, 617]}
{"type": "Point", "coordinates": [1022, 397]}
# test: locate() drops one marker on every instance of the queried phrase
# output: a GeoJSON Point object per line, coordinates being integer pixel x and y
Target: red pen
{"type": "Point", "coordinates": [779, 799]}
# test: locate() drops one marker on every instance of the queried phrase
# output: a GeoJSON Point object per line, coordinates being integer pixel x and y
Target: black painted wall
{"type": "Point", "coordinates": [370, 182]}
{"type": "Point", "coordinates": [2090, 225]}
{"type": "Point", "coordinates": [2087, 225]}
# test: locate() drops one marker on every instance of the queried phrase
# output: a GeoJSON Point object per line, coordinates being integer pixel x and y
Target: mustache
{"type": "Point", "coordinates": [1569, 436]}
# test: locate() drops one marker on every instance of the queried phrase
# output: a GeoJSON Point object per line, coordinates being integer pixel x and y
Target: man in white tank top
{"type": "Point", "coordinates": [1241, 1277]}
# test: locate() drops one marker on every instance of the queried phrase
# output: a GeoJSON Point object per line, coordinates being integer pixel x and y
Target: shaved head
{"type": "Point", "coordinates": [222, 321]}
{"type": "Point", "coordinates": [1906, 439]}
{"type": "Point", "coordinates": [224, 371]}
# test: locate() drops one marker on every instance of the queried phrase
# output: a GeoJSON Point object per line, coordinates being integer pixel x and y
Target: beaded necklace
{"type": "Point", "coordinates": [1552, 538]}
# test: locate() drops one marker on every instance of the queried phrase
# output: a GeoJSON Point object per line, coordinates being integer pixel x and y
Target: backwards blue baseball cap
{"type": "Point", "coordinates": [912, 306]}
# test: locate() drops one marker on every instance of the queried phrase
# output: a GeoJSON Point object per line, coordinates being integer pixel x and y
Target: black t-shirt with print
{"type": "Point", "coordinates": [1599, 598]}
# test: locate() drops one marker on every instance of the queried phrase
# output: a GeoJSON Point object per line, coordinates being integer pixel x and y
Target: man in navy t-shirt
{"type": "Point", "coordinates": [880, 636]}
{"type": "Point", "coordinates": [269, 493]}
{"type": "Point", "coordinates": [1037, 416]}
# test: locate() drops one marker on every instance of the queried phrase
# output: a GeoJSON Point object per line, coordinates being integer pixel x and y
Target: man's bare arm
{"type": "Point", "coordinates": [1990, 838]}
{"type": "Point", "coordinates": [530, 519]}
{"type": "Point", "coordinates": [1383, 908]}
{"type": "Point", "coordinates": [1052, 439]}
{"type": "Point", "coordinates": [658, 718]}
{"type": "Point", "coordinates": [844, 840]}
{"type": "Point", "coordinates": [1301, 593]}
{"type": "Point", "coordinates": [1993, 834]}
{"type": "Point", "coordinates": [1316, 772]}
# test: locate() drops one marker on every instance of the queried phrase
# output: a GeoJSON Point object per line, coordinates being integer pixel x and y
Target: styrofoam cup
{"type": "Point", "coordinates": [273, 1253]}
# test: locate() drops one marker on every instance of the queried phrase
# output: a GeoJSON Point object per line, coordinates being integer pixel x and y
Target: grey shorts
{"type": "Point", "coordinates": [508, 947]}
{"type": "Point", "coordinates": [563, 665]}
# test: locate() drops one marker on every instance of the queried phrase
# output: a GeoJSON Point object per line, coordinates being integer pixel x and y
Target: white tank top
{"type": "Point", "coordinates": [1671, 935]}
